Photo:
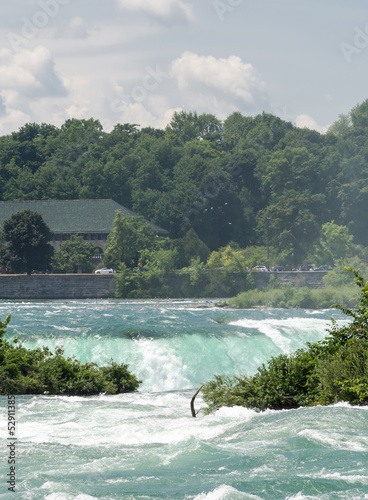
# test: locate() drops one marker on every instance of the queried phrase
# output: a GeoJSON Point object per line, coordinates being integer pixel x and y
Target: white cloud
{"type": "Point", "coordinates": [27, 80]}
{"type": "Point", "coordinates": [306, 121]}
{"type": "Point", "coordinates": [163, 9]}
{"type": "Point", "coordinates": [219, 83]}
{"type": "Point", "coordinates": [13, 120]}
{"type": "Point", "coordinates": [76, 28]}
{"type": "Point", "coordinates": [31, 73]}
{"type": "Point", "coordinates": [2, 106]}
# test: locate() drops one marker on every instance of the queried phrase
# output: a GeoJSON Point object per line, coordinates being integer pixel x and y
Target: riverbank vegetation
{"type": "Point", "coordinates": [338, 289]}
{"type": "Point", "coordinates": [186, 268]}
{"type": "Point", "coordinates": [326, 372]}
{"type": "Point", "coordinates": [39, 371]}
{"type": "Point", "coordinates": [232, 194]}
{"type": "Point", "coordinates": [249, 180]}
{"type": "Point", "coordinates": [288, 297]}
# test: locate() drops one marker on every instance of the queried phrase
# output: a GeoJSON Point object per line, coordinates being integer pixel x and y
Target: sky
{"type": "Point", "coordinates": [139, 61]}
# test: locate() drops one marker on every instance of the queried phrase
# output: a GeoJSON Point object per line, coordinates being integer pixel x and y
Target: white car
{"type": "Point", "coordinates": [105, 270]}
{"type": "Point", "coordinates": [262, 269]}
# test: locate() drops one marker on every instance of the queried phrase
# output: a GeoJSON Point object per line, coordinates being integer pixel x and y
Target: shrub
{"type": "Point", "coordinates": [287, 296]}
{"type": "Point", "coordinates": [286, 382]}
{"type": "Point", "coordinates": [344, 377]}
{"type": "Point", "coordinates": [24, 371]}
{"type": "Point", "coordinates": [334, 369]}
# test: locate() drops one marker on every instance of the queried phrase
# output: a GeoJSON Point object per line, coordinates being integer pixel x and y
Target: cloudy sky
{"type": "Point", "coordinates": [138, 61]}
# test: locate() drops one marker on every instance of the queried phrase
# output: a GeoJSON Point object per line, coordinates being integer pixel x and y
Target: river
{"type": "Point", "coordinates": [146, 445]}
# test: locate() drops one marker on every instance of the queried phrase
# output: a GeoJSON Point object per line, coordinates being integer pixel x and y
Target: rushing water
{"type": "Point", "coordinates": [146, 445]}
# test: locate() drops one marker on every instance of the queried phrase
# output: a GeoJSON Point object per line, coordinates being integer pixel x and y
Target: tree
{"type": "Point", "coordinates": [187, 126]}
{"type": "Point", "coordinates": [340, 127]}
{"type": "Point", "coordinates": [74, 256]}
{"type": "Point", "coordinates": [27, 245]}
{"type": "Point", "coordinates": [190, 247]}
{"type": "Point", "coordinates": [291, 223]}
{"type": "Point", "coordinates": [335, 243]}
{"type": "Point", "coordinates": [128, 237]}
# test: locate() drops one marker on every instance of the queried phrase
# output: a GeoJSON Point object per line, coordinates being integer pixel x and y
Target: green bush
{"type": "Point", "coordinates": [38, 371]}
{"type": "Point", "coordinates": [344, 376]}
{"type": "Point", "coordinates": [286, 382]}
{"type": "Point", "coordinates": [334, 369]}
{"type": "Point", "coordinates": [286, 296]}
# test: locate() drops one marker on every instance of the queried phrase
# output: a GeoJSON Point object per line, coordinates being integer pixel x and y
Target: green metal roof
{"type": "Point", "coordinates": [72, 216]}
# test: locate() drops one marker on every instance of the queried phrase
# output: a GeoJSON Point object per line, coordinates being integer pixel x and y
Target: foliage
{"type": "Point", "coordinates": [250, 180]}
{"type": "Point", "coordinates": [188, 248]}
{"type": "Point", "coordinates": [234, 258]}
{"type": "Point", "coordinates": [195, 278]}
{"type": "Point", "coordinates": [340, 276]}
{"type": "Point", "coordinates": [344, 376]}
{"type": "Point", "coordinates": [286, 296]}
{"type": "Point", "coordinates": [27, 245]}
{"type": "Point", "coordinates": [332, 370]}
{"type": "Point", "coordinates": [335, 243]}
{"type": "Point", "coordinates": [128, 237]}
{"type": "Point", "coordinates": [39, 371]}
{"type": "Point", "coordinates": [74, 256]}
{"type": "Point", "coordinates": [145, 282]}
{"type": "Point", "coordinates": [255, 181]}
{"type": "Point", "coordinates": [158, 278]}
{"type": "Point", "coordinates": [291, 222]}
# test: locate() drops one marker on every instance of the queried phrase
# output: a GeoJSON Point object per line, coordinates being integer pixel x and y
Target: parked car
{"type": "Point", "coordinates": [323, 268]}
{"type": "Point", "coordinates": [260, 268]}
{"type": "Point", "coordinates": [278, 268]}
{"type": "Point", "coordinates": [306, 268]}
{"type": "Point", "coordinates": [105, 270]}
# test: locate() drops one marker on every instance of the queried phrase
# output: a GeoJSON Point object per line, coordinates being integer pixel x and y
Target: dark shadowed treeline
{"type": "Point", "coordinates": [250, 180]}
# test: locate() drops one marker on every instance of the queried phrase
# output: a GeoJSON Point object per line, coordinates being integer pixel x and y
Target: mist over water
{"type": "Point", "coordinates": [146, 444]}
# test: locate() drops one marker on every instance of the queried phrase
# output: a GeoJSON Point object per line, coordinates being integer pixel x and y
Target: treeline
{"type": "Point", "coordinates": [248, 180]}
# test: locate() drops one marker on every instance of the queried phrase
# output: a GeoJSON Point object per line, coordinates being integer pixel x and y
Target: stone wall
{"type": "Point", "coordinates": [56, 286]}
{"type": "Point", "coordinates": [296, 279]}
{"type": "Point", "coordinates": [91, 286]}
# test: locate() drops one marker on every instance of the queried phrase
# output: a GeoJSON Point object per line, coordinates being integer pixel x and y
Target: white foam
{"type": "Point", "coordinates": [161, 370]}
{"type": "Point", "coordinates": [225, 492]}
{"type": "Point", "coordinates": [335, 440]}
{"type": "Point", "coordinates": [270, 328]}
{"type": "Point", "coordinates": [235, 412]}
{"type": "Point", "coordinates": [336, 476]}
{"type": "Point", "coordinates": [66, 496]}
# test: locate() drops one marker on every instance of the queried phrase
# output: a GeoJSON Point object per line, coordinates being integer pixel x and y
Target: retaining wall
{"type": "Point", "coordinates": [296, 279]}
{"type": "Point", "coordinates": [56, 286]}
{"type": "Point", "coordinates": [91, 286]}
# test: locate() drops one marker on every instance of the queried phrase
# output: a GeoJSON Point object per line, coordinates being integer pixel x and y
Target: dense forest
{"type": "Point", "coordinates": [247, 180]}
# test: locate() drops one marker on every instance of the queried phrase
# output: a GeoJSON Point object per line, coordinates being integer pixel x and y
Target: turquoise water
{"type": "Point", "coordinates": [146, 445]}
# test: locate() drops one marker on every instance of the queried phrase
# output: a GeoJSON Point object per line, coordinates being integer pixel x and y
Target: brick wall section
{"type": "Point", "coordinates": [91, 286]}
{"type": "Point", "coordinates": [56, 286]}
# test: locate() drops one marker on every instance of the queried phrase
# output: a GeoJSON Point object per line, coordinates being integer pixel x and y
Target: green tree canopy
{"type": "Point", "coordinates": [74, 256]}
{"type": "Point", "coordinates": [129, 236]}
{"type": "Point", "coordinates": [27, 245]}
{"type": "Point", "coordinates": [335, 243]}
{"type": "Point", "coordinates": [291, 223]}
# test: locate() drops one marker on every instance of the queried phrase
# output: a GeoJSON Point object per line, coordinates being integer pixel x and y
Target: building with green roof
{"type": "Point", "coordinates": [92, 219]}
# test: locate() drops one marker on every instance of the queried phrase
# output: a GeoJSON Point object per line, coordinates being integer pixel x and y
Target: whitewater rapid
{"type": "Point", "coordinates": [146, 445]}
